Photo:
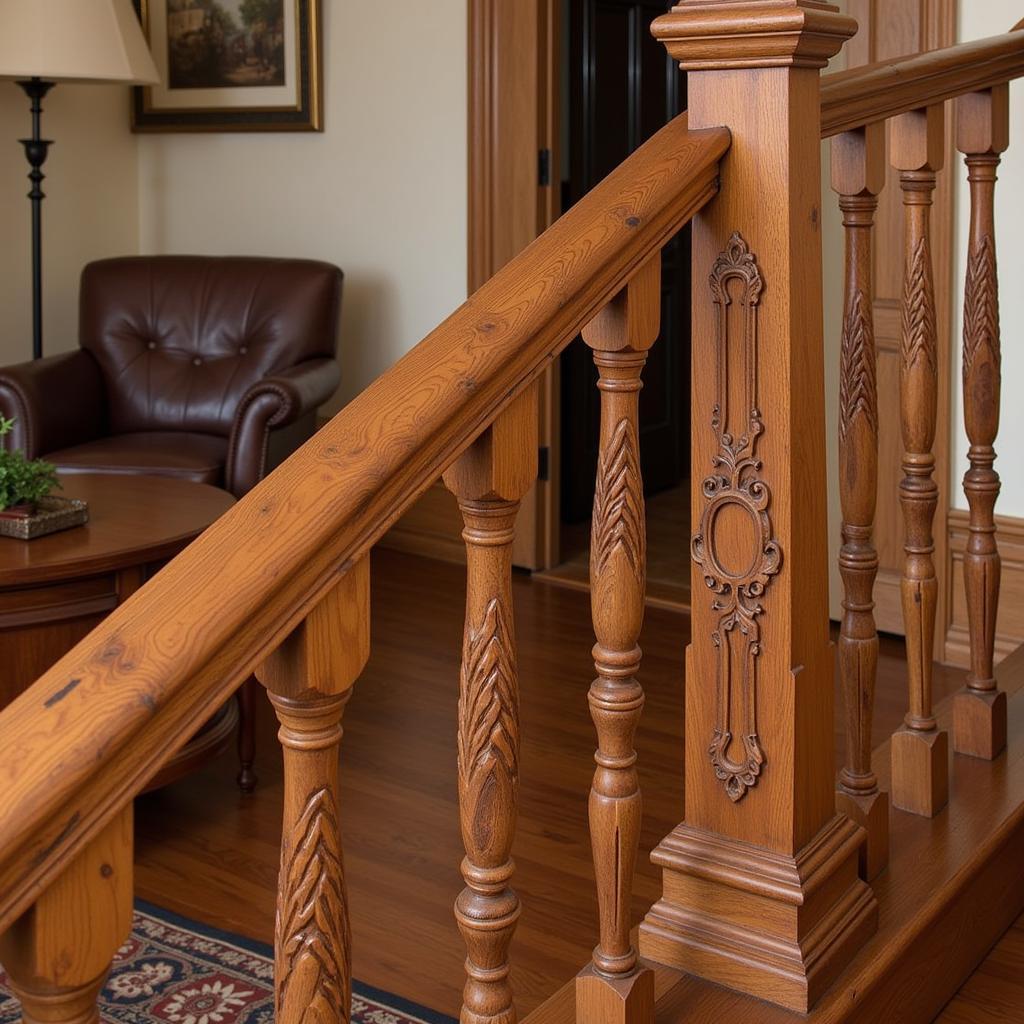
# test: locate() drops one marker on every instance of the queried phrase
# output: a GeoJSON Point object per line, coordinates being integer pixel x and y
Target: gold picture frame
{"type": "Point", "coordinates": [230, 84]}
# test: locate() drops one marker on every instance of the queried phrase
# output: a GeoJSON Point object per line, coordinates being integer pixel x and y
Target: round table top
{"type": "Point", "coordinates": [133, 520]}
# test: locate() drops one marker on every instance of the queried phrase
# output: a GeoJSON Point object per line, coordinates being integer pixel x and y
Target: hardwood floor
{"type": "Point", "coordinates": [995, 992]}
{"type": "Point", "coordinates": [206, 851]}
{"type": "Point", "coordinates": [668, 560]}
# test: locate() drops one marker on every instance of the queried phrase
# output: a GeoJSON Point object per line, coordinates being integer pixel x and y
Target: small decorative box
{"type": "Point", "coordinates": [49, 515]}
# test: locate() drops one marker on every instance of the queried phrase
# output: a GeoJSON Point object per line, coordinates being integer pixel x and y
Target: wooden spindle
{"type": "Point", "coordinates": [858, 176]}
{"type": "Point", "coordinates": [920, 781]}
{"type": "Point", "coordinates": [615, 988]}
{"type": "Point", "coordinates": [489, 480]}
{"type": "Point", "coordinates": [979, 710]}
{"type": "Point", "coordinates": [310, 679]}
{"type": "Point", "coordinates": [58, 954]}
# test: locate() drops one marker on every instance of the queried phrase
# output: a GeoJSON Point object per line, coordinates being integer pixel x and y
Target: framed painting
{"type": "Point", "coordinates": [231, 65]}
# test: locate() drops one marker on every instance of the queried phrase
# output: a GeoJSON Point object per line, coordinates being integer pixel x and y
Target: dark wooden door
{"type": "Point", "coordinates": [622, 88]}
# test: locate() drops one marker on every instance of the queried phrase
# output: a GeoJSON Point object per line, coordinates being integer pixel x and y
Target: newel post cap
{"type": "Point", "coordinates": [714, 35]}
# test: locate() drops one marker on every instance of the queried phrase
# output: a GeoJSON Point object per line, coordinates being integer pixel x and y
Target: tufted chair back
{"type": "Point", "coordinates": [180, 339]}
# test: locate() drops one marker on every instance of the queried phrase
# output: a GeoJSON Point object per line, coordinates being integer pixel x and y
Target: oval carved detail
{"type": "Point", "coordinates": [734, 547]}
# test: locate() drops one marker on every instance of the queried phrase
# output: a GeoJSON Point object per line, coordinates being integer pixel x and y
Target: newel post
{"type": "Point", "coordinates": [761, 891]}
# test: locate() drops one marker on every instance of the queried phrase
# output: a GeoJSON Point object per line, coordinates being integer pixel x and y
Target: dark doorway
{"type": "Point", "coordinates": [619, 89]}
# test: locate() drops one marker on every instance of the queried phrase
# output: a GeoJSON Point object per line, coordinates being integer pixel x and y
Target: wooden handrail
{"type": "Point", "coordinates": [90, 733]}
{"type": "Point", "coordinates": [861, 96]}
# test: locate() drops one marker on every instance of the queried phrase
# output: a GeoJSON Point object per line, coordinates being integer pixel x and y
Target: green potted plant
{"type": "Point", "coordinates": [23, 482]}
{"type": "Point", "coordinates": [27, 508]}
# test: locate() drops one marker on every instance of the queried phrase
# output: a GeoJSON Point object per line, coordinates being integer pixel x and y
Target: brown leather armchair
{"type": "Point", "coordinates": [206, 368]}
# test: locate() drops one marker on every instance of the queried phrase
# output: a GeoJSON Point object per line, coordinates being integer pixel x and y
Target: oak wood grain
{"type": "Point", "coordinates": [489, 481]}
{"type": "Point", "coordinates": [953, 886]}
{"type": "Point", "coordinates": [983, 130]}
{"type": "Point", "coordinates": [309, 679]}
{"type": "Point", "coordinates": [285, 544]}
{"type": "Point", "coordinates": [612, 990]}
{"type": "Point", "coordinates": [886, 89]}
{"type": "Point", "coordinates": [400, 800]}
{"type": "Point", "coordinates": [858, 176]}
{"type": "Point", "coordinates": [916, 150]}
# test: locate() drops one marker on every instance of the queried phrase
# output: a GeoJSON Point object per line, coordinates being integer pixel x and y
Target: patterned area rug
{"type": "Point", "coordinates": [177, 971]}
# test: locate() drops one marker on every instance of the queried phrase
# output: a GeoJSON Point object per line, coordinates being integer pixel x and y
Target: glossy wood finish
{"type": "Point", "coordinates": [310, 679]}
{"type": "Point", "coordinates": [995, 992]}
{"type": "Point", "coordinates": [953, 886]}
{"type": "Point", "coordinates": [344, 489]}
{"type": "Point", "coordinates": [611, 990]}
{"type": "Point", "coordinates": [858, 176]}
{"type": "Point", "coordinates": [1010, 621]}
{"type": "Point", "coordinates": [57, 955]}
{"type": "Point", "coordinates": [399, 791]}
{"type": "Point", "coordinates": [489, 481]}
{"type": "Point", "coordinates": [983, 130]}
{"type": "Point", "coordinates": [133, 521]}
{"type": "Point", "coordinates": [762, 856]}
{"type": "Point", "coordinates": [884, 90]}
{"type": "Point", "coordinates": [920, 774]}
{"type": "Point", "coordinates": [888, 32]}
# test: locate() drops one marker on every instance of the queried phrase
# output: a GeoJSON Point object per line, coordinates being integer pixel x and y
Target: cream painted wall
{"type": "Point", "coordinates": [978, 20]}
{"type": "Point", "coordinates": [91, 209]}
{"type": "Point", "coordinates": [382, 192]}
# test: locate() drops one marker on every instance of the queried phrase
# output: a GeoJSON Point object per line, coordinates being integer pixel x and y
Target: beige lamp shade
{"type": "Point", "coordinates": [74, 40]}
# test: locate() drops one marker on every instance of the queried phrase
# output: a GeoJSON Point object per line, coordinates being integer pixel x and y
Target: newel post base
{"type": "Point", "coordinates": [920, 770]}
{"type": "Point", "coordinates": [979, 723]}
{"type": "Point", "coordinates": [871, 812]}
{"type": "Point", "coordinates": [776, 927]}
{"type": "Point", "coordinates": [623, 1000]}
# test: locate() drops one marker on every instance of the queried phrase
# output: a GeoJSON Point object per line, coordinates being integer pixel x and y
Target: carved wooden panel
{"type": "Point", "coordinates": [734, 544]}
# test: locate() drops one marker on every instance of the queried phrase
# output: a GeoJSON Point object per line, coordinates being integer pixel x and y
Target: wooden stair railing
{"type": "Point", "coordinates": [280, 586]}
{"type": "Point", "coordinates": [909, 95]}
{"type": "Point", "coordinates": [766, 881]}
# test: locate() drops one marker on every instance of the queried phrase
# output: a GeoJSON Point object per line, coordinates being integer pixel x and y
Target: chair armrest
{"type": "Point", "coordinates": [270, 404]}
{"type": "Point", "coordinates": [57, 402]}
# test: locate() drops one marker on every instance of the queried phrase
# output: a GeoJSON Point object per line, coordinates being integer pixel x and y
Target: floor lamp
{"type": "Point", "coordinates": [43, 42]}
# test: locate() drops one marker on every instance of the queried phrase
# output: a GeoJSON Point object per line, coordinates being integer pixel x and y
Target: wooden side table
{"type": "Point", "coordinates": [56, 589]}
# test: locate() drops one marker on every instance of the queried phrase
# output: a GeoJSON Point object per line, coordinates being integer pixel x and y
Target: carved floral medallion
{"type": "Point", "coordinates": [734, 545]}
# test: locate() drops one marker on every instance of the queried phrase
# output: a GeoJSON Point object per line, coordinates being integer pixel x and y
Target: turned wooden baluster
{"type": "Point", "coordinates": [309, 679]}
{"type": "Point", "coordinates": [979, 710]}
{"type": "Point", "coordinates": [615, 988]}
{"type": "Point", "coordinates": [489, 480]}
{"type": "Point", "coordinates": [858, 176]}
{"type": "Point", "coordinates": [920, 780]}
{"type": "Point", "coordinates": [58, 954]}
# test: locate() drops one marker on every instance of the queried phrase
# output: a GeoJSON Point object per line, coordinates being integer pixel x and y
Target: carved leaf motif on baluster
{"type": "Point", "coordinates": [981, 307]}
{"type": "Point", "coordinates": [618, 503]}
{"type": "Point", "coordinates": [858, 386]}
{"type": "Point", "coordinates": [919, 309]}
{"type": "Point", "coordinates": [736, 484]}
{"type": "Point", "coordinates": [312, 926]}
{"type": "Point", "coordinates": [487, 708]}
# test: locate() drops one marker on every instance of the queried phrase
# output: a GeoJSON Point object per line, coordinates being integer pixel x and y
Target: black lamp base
{"type": "Point", "coordinates": [36, 150]}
